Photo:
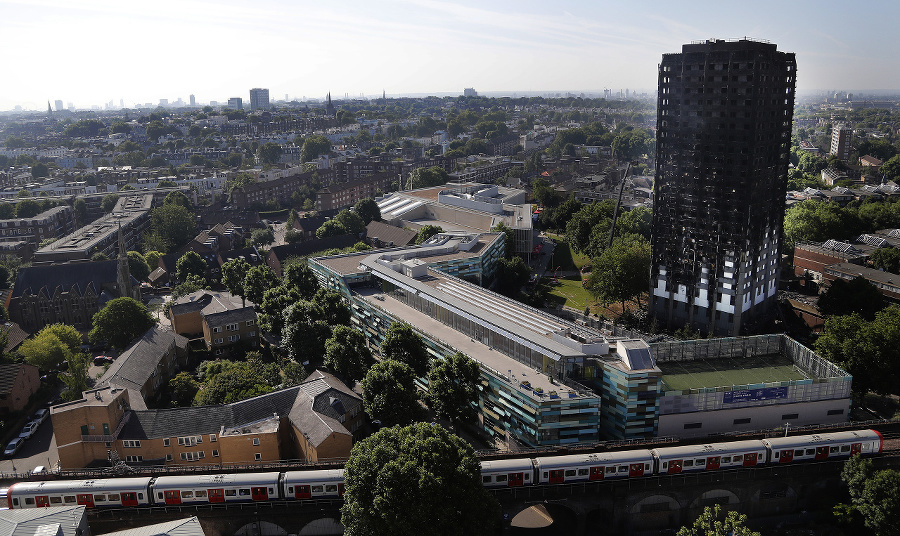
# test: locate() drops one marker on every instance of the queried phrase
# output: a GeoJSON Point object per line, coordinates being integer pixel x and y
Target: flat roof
{"type": "Point", "coordinates": [726, 372]}
{"type": "Point", "coordinates": [91, 234]}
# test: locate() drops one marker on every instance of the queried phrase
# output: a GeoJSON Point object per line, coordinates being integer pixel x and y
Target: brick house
{"type": "Point", "coordinates": [220, 318]}
{"type": "Point", "coordinates": [148, 363]}
{"type": "Point", "coordinates": [18, 381]}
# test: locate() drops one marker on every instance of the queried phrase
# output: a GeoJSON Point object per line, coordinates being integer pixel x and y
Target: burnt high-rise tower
{"type": "Point", "coordinates": [723, 140]}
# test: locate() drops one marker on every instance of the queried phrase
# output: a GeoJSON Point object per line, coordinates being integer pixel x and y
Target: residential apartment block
{"type": "Point", "coordinates": [219, 318]}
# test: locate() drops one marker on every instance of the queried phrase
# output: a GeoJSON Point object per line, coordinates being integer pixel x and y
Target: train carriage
{"type": "Point", "coordinates": [824, 446]}
{"type": "Point", "coordinates": [205, 489]}
{"type": "Point", "coordinates": [594, 466]}
{"type": "Point", "coordinates": [327, 483]}
{"type": "Point", "coordinates": [688, 458]}
{"type": "Point", "coordinates": [109, 492]}
{"type": "Point", "coordinates": [507, 473]}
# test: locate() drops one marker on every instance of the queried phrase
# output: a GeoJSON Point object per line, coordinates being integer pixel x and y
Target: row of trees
{"type": "Point", "coordinates": [818, 221]}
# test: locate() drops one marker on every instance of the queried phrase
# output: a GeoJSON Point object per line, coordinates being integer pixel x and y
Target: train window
{"type": "Point", "coordinates": [69, 498]}
{"type": "Point", "coordinates": [331, 488]}
{"type": "Point", "coordinates": [810, 452]}
{"type": "Point", "coordinates": [187, 494]}
{"type": "Point", "coordinates": [200, 493]}
{"type": "Point", "coordinates": [646, 467]}
{"type": "Point", "coordinates": [271, 491]}
{"type": "Point", "coordinates": [777, 454]}
{"type": "Point", "coordinates": [582, 472]}
{"type": "Point", "coordinates": [159, 495]}
{"type": "Point", "coordinates": [244, 491]}
{"type": "Point", "coordinates": [486, 479]}
{"type": "Point", "coordinates": [527, 476]}
{"type": "Point", "coordinates": [15, 501]}
{"type": "Point", "coordinates": [845, 448]}
{"type": "Point", "coordinates": [833, 449]}
{"type": "Point", "coordinates": [291, 489]}
{"type": "Point", "coordinates": [55, 500]}
{"type": "Point", "coordinates": [665, 464]}
{"type": "Point", "coordinates": [317, 489]}
{"type": "Point", "coordinates": [570, 472]}
{"type": "Point", "coordinates": [501, 478]}
{"type": "Point", "coordinates": [29, 500]}
{"type": "Point", "coordinates": [726, 459]}
{"type": "Point", "coordinates": [99, 498]}
{"type": "Point", "coordinates": [701, 462]}
{"type": "Point", "coordinates": [545, 474]}
{"type": "Point", "coordinates": [688, 463]}
{"type": "Point", "coordinates": [114, 497]}
{"type": "Point", "coordinates": [141, 496]}
{"type": "Point", "coordinates": [623, 468]}
{"type": "Point", "coordinates": [737, 458]}
{"type": "Point", "coordinates": [230, 493]}
{"type": "Point", "coordinates": [798, 452]}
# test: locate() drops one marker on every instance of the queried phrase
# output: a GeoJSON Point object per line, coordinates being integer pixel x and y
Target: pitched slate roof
{"type": "Point", "coordinates": [309, 223]}
{"type": "Point", "coordinates": [209, 302]}
{"type": "Point", "coordinates": [16, 335]}
{"type": "Point", "coordinates": [8, 374]}
{"type": "Point", "coordinates": [189, 526]}
{"type": "Point", "coordinates": [136, 365]}
{"type": "Point", "coordinates": [65, 276]}
{"type": "Point", "coordinates": [322, 400]}
{"type": "Point", "coordinates": [249, 254]}
{"type": "Point", "coordinates": [55, 520]}
{"type": "Point", "coordinates": [387, 234]}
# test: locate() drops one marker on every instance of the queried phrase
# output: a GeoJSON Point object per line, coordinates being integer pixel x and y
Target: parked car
{"type": "Point", "coordinates": [13, 447]}
{"type": "Point", "coordinates": [40, 415]}
{"type": "Point", "coordinates": [29, 429]}
{"type": "Point", "coordinates": [102, 360]}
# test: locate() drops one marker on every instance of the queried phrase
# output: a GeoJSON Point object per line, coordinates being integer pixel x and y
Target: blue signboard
{"type": "Point", "coordinates": [754, 395]}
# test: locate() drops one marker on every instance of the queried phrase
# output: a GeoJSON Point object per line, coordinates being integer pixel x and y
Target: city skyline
{"type": "Point", "coordinates": [96, 51]}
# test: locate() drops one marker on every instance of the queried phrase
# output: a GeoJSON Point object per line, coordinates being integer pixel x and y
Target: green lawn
{"type": "Point", "coordinates": [564, 257]}
{"type": "Point", "coordinates": [573, 294]}
{"type": "Point", "coordinates": [683, 375]}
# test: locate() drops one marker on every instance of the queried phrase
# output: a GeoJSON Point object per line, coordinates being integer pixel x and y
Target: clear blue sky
{"type": "Point", "coordinates": [93, 51]}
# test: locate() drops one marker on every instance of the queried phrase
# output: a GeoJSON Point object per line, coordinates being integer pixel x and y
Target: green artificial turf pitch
{"type": "Point", "coordinates": [704, 373]}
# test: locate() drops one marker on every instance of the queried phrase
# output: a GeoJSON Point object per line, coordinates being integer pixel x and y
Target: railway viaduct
{"type": "Point", "coordinates": [644, 505]}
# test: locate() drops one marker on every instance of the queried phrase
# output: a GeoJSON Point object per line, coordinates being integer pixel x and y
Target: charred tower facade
{"type": "Point", "coordinates": [723, 142]}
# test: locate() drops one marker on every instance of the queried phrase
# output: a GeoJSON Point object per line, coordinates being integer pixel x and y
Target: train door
{"type": "Point", "coordinates": [515, 480]}
{"type": "Point", "coordinates": [636, 469]}
{"type": "Point", "coordinates": [674, 467]}
{"type": "Point", "coordinates": [340, 489]}
{"type": "Point", "coordinates": [42, 501]}
{"type": "Point", "coordinates": [855, 448]}
{"type": "Point", "coordinates": [129, 499]}
{"type": "Point", "coordinates": [821, 453]}
{"type": "Point", "coordinates": [750, 459]}
{"type": "Point", "coordinates": [259, 494]}
{"type": "Point", "coordinates": [713, 463]}
{"type": "Point", "coordinates": [85, 499]}
{"type": "Point", "coordinates": [173, 497]}
{"type": "Point", "coordinates": [557, 476]}
{"type": "Point", "coordinates": [786, 456]}
{"type": "Point", "coordinates": [302, 491]}
{"type": "Point", "coordinates": [216, 495]}
{"type": "Point", "coordinates": [596, 473]}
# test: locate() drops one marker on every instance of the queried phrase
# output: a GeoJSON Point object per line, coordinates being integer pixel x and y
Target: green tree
{"type": "Point", "coordinates": [191, 263]}
{"type": "Point", "coordinates": [874, 494]}
{"type": "Point", "coordinates": [179, 199]}
{"type": "Point", "coordinates": [890, 170]}
{"type": "Point", "coordinates": [233, 274]}
{"type": "Point", "coordinates": [275, 302]}
{"type": "Point", "coordinates": [237, 381]}
{"type": "Point", "coordinates": [621, 272]}
{"type": "Point", "coordinates": [262, 237]}
{"type": "Point", "coordinates": [453, 388]}
{"type": "Point", "coordinates": [45, 351]}
{"type": "Point", "coordinates": [588, 229]}
{"type": "Point", "coordinates": [856, 296]}
{"type": "Point", "coordinates": [512, 274]}
{"type": "Point", "coordinates": [99, 257]}
{"type": "Point", "coordinates": [183, 389]}
{"type": "Point", "coordinates": [4, 277]}
{"type": "Point", "coordinates": [152, 258]}
{"type": "Point", "coordinates": [544, 193]}
{"type": "Point", "coordinates": [426, 232]}
{"type": "Point", "coordinates": [330, 307]}
{"type": "Point", "coordinates": [109, 202]}
{"type": "Point", "coordinates": [67, 334]}
{"type": "Point", "coordinates": [298, 275]}
{"type": "Point", "coordinates": [368, 210]}
{"type": "Point", "coordinates": [350, 221]}
{"type": "Point", "coordinates": [40, 170]}
{"type": "Point", "coordinates": [304, 333]}
{"type": "Point", "coordinates": [389, 393]}
{"type": "Point", "coordinates": [121, 321]}
{"type": "Point", "coordinates": [27, 208]}
{"type": "Point", "coordinates": [330, 228]}
{"type": "Point", "coordinates": [313, 147]}
{"type": "Point", "coordinates": [347, 355]}
{"type": "Point", "coordinates": [138, 266]}
{"type": "Point", "coordinates": [258, 280]}
{"type": "Point", "coordinates": [509, 248]}
{"type": "Point", "coordinates": [814, 221]}
{"type": "Point", "coordinates": [189, 285]}
{"type": "Point", "coordinates": [402, 344]}
{"type": "Point", "coordinates": [175, 224]}
{"type": "Point", "coordinates": [887, 259]}
{"type": "Point", "coordinates": [7, 211]}
{"type": "Point", "coordinates": [76, 377]}
{"type": "Point", "coordinates": [80, 209]}
{"type": "Point", "coordinates": [715, 522]}
{"type": "Point", "coordinates": [426, 177]}
{"type": "Point", "coordinates": [269, 153]}
{"type": "Point", "coordinates": [421, 465]}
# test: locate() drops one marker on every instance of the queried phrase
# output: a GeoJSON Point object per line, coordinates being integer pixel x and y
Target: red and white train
{"type": "Point", "coordinates": [329, 483]}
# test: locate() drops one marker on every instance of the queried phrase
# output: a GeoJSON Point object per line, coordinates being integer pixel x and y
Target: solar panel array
{"type": "Point", "coordinates": [837, 245]}
{"type": "Point", "coordinates": [872, 240]}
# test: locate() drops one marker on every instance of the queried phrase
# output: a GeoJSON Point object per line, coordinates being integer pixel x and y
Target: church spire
{"type": "Point", "coordinates": [329, 106]}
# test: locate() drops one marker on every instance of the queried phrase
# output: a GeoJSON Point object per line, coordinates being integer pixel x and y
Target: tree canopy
{"type": "Point", "coordinates": [173, 225]}
{"type": "Point", "coordinates": [415, 480]}
{"type": "Point", "coordinates": [715, 522]}
{"type": "Point", "coordinates": [453, 388]}
{"type": "Point", "coordinates": [313, 147]}
{"type": "Point", "coordinates": [389, 393]}
{"type": "Point", "coordinates": [875, 494]}
{"type": "Point", "coordinates": [120, 321]}
{"type": "Point", "coordinates": [258, 280]}
{"type": "Point", "coordinates": [426, 232]}
{"type": "Point", "coordinates": [190, 264]}
{"type": "Point", "coordinates": [368, 210]}
{"type": "Point", "coordinates": [233, 274]}
{"type": "Point", "coordinates": [512, 275]}
{"type": "Point", "coordinates": [856, 296]}
{"type": "Point", "coordinates": [402, 344]}
{"type": "Point", "coordinates": [621, 272]}
{"type": "Point", "coordinates": [426, 177]}
{"type": "Point", "coordinates": [137, 266]}
{"type": "Point", "coordinates": [231, 382]}
{"type": "Point", "coordinates": [51, 346]}
{"type": "Point", "coordinates": [347, 355]}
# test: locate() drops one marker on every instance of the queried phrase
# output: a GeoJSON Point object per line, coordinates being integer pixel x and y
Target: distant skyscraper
{"type": "Point", "coordinates": [164, 102]}
{"type": "Point", "coordinates": [259, 99]}
{"type": "Point", "coordinates": [470, 92]}
{"type": "Point", "coordinates": [723, 139]}
{"type": "Point", "coordinates": [193, 101]}
{"type": "Point", "coordinates": [236, 103]}
{"type": "Point", "coordinates": [59, 105]}
{"type": "Point", "coordinates": [840, 141]}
